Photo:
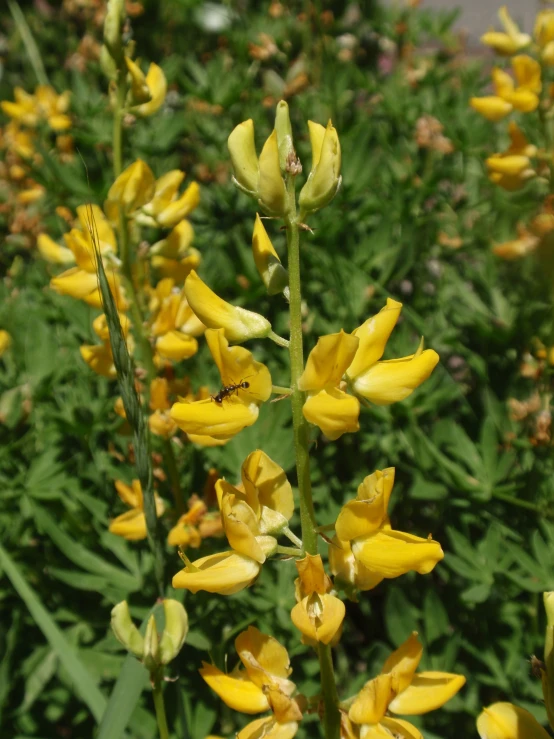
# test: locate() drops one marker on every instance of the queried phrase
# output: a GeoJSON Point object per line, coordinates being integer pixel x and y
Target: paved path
{"type": "Point", "coordinates": [478, 15]}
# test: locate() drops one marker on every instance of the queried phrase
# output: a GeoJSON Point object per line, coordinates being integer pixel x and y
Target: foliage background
{"type": "Point", "coordinates": [408, 222]}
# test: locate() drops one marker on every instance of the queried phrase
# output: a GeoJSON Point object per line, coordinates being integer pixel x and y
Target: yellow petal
{"type": "Point", "coordinates": [268, 728]}
{"type": "Point", "coordinates": [130, 525]}
{"type": "Point", "coordinates": [266, 651]}
{"type": "Point", "coordinates": [91, 217]}
{"type": "Point", "coordinates": [503, 83]}
{"type": "Point", "coordinates": [241, 527]}
{"type": "Point", "coordinates": [493, 108]}
{"type": "Point", "coordinates": [524, 101]}
{"type": "Point", "coordinates": [328, 361]}
{"type": "Point", "coordinates": [324, 178]}
{"type": "Point", "coordinates": [393, 553]}
{"type": "Point", "coordinates": [511, 164]}
{"type": "Point", "coordinates": [75, 282]}
{"type": "Point", "coordinates": [59, 122]}
{"type": "Point", "coordinates": [157, 87]}
{"type": "Point", "coordinates": [5, 341]}
{"type": "Point", "coordinates": [268, 264]}
{"type": "Point", "coordinates": [207, 441]}
{"type": "Point", "coordinates": [225, 573]}
{"type": "Point", "coordinates": [207, 418]}
{"type": "Point", "coordinates": [165, 191]}
{"type": "Point", "coordinates": [133, 188]}
{"type": "Point", "coordinates": [372, 701]}
{"type": "Point", "coordinates": [130, 494]}
{"type": "Point", "coordinates": [391, 381]}
{"type": "Point", "coordinates": [319, 617]}
{"type": "Point", "coordinates": [403, 663]}
{"type": "Point", "coordinates": [271, 187]}
{"type": "Point", "coordinates": [240, 694]}
{"type": "Point", "coordinates": [180, 208]}
{"type": "Point", "coordinates": [100, 359]}
{"type": "Point", "coordinates": [427, 692]}
{"type": "Point", "coordinates": [265, 479]}
{"type": "Point", "coordinates": [176, 346]}
{"type": "Point", "coordinates": [527, 72]}
{"type": "Point", "coordinates": [176, 243]}
{"type": "Point", "coordinates": [239, 324]}
{"type": "Point", "coordinates": [401, 729]}
{"type": "Point", "coordinates": [242, 149]}
{"type": "Point", "coordinates": [53, 252]}
{"type": "Point", "coordinates": [506, 721]}
{"type": "Point", "coordinates": [518, 142]}
{"type": "Point", "coordinates": [346, 568]}
{"type": "Point", "coordinates": [544, 27]}
{"type": "Point", "coordinates": [368, 512]}
{"type": "Point", "coordinates": [237, 365]}
{"type": "Point", "coordinates": [373, 335]}
{"type": "Point", "coordinates": [333, 411]}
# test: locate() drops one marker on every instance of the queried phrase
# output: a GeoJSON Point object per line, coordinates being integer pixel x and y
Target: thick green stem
{"type": "Point", "coordinates": [299, 423]}
{"type": "Point", "coordinates": [117, 140]}
{"type": "Point", "coordinates": [159, 705]}
{"type": "Point", "coordinates": [331, 716]}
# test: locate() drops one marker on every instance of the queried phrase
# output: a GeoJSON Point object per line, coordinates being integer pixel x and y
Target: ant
{"type": "Point", "coordinates": [227, 390]}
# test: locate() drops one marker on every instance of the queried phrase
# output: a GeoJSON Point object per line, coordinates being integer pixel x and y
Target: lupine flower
{"type": "Point", "coordinates": [268, 264]}
{"type": "Point", "coordinates": [225, 573]}
{"type": "Point", "coordinates": [509, 41]}
{"type": "Point", "coordinates": [544, 35]}
{"type": "Point", "coordinates": [99, 357]}
{"type": "Point", "coordinates": [261, 178]}
{"type": "Point", "coordinates": [324, 178]}
{"type": "Point", "coordinates": [174, 256]}
{"type": "Point", "coordinates": [237, 323]}
{"type": "Point", "coordinates": [399, 689]}
{"type": "Point", "coordinates": [523, 97]}
{"type": "Point", "coordinates": [356, 357]}
{"type": "Point", "coordinates": [318, 614]}
{"type": "Point", "coordinates": [131, 190]}
{"type": "Point", "coordinates": [506, 721]}
{"type": "Point", "coordinates": [147, 92]}
{"type": "Point", "coordinates": [260, 684]}
{"type": "Point", "coordinates": [512, 168]}
{"type": "Point", "coordinates": [132, 524]}
{"type": "Point", "coordinates": [167, 208]}
{"type": "Point", "coordinates": [383, 552]}
{"type": "Point", "coordinates": [195, 525]}
{"type": "Point", "coordinates": [44, 105]}
{"type": "Point", "coordinates": [221, 421]}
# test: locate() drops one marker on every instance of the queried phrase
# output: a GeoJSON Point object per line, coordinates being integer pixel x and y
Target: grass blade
{"type": "Point", "coordinates": [83, 684]}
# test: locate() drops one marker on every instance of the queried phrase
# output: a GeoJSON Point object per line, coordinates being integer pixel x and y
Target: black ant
{"type": "Point", "coordinates": [227, 390]}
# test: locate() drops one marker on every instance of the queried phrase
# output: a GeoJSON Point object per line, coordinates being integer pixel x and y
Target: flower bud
{"type": "Point", "coordinates": [133, 188]}
{"type": "Point", "coordinates": [242, 149]}
{"type": "Point", "coordinates": [151, 652]}
{"type": "Point", "coordinates": [284, 135]}
{"type": "Point", "coordinates": [238, 324]}
{"type": "Point", "coordinates": [157, 88]}
{"type": "Point", "coordinates": [274, 275]}
{"type": "Point", "coordinates": [139, 92]}
{"type": "Point", "coordinates": [125, 630]}
{"type": "Point", "coordinates": [113, 29]}
{"type": "Point", "coordinates": [175, 632]}
{"type": "Point", "coordinates": [324, 179]}
{"type": "Point", "coordinates": [107, 63]}
{"type": "Point", "coordinates": [271, 187]}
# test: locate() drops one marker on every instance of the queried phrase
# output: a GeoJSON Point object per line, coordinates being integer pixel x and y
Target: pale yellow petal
{"type": "Point", "coordinates": [240, 694]}
{"type": "Point", "coordinates": [333, 411]}
{"type": "Point", "coordinates": [328, 361]}
{"type": "Point", "coordinates": [208, 418]}
{"type": "Point", "coordinates": [373, 335]}
{"type": "Point", "coordinates": [225, 573]}
{"type": "Point", "coordinates": [403, 663]}
{"type": "Point", "coordinates": [372, 701]}
{"type": "Point", "coordinates": [491, 107]}
{"type": "Point", "coordinates": [244, 159]}
{"type": "Point", "coordinates": [53, 252]}
{"type": "Point", "coordinates": [427, 692]}
{"type": "Point", "coordinates": [506, 721]}
{"type": "Point", "coordinates": [393, 553]}
{"type": "Point", "coordinates": [391, 381]}
{"type": "Point", "coordinates": [176, 346]}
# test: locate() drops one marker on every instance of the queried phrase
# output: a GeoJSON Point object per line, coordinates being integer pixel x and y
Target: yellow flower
{"type": "Point", "coordinates": [18, 140]}
{"type": "Point", "coordinates": [148, 92]}
{"type": "Point", "coordinates": [132, 524]}
{"type": "Point", "coordinates": [324, 179]}
{"type": "Point", "coordinates": [506, 721]}
{"type": "Point", "coordinates": [260, 684]}
{"type": "Point", "coordinates": [399, 689]}
{"type": "Point", "coordinates": [195, 525]}
{"type": "Point", "coordinates": [525, 243]}
{"type": "Point", "coordinates": [544, 35]}
{"type": "Point", "coordinates": [174, 256]}
{"type": "Point", "coordinates": [5, 341]}
{"type": "Point", "coordinates": [523, 97]}
{"type": "Point", "coordinates": [166, 207]}
{"type": "Point", "coordinates": [132, 189]}
{"type": "Point", "coordinates": [174, 324]}
{"type": "Point", "coordinates": [268, 264]}
{"type": "Point", "coordinates": [225, 573]}
{"type": "Point", "coordinates": [509, 41]}
{"type": "Point", "coordinates": [261, 509]}
{"type": "Point", "coordinates": [383, 552]}
{"type": "Point", "coordinates": [99, 357]}
{"type": "Point", "coordinates": [350, 574]}
{"type": "Point", "coordinates": [260, 178]}
{"type": "Point", "coordinates": [53, 252]}
{"type": "Point", "coordinates": [44, 105]}
{"type": "Point", "coordinates": [318, 615]}
{"type": "Point", "coordinates": [356, 357]}
{"type": "Point", "coordinates": [238, 324]}
{"type": "Point", "coordinates": [223, 420]}
{"type": "Point", "coordinates": [512, 169]}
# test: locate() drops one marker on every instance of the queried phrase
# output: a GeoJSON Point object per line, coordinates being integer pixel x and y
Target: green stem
{"type": "Point", "coordinates": [280, 390]}
{"type": "Point", "coordinates": [29, 42]}
{"type": "Point", "coordinates": [159, 705]}
{"type": "Point", "coordinates": [331, 716]}
{"type": "Point", "coordinates": [331, 720]}
{"type": "Point", "coordinates": [516, 501]}
{"type": "Point", "coordinates": [117, 141]}
{"type": "Point", "coordinates": [174, 479]}
{"type": "Point", "coordinates": [290, 535]}
{"type": "Point", "coordinates": [290, 551]}
{"type": "Point", "coordinates": [299, 423]}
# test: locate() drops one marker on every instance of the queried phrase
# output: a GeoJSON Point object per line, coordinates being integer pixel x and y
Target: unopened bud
{"type": "Point", "coordinates": [274, 275]}
{"type": "Point", "coordinates": [283, 130]}
{"type": "Point", "coordinates": [244, 159]}
{"type": "Point", "coordinates": [125, 630]}
{"type": "Point", "coordinates": [324, 179]}
{"type": "Point", "coordinates": [175, 632]}
{"type": "Point", "coordinates": [151, 653]}
{"type": "Point", "coordinates": [271, 186]}
{"type": "Point", "coordinates": [113, 29]}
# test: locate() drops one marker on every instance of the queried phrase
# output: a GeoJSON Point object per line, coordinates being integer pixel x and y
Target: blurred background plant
{"type": "Point", "coordinates": [414, 220]}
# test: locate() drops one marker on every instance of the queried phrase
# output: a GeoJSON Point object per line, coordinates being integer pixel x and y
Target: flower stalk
{"type": "Point", "coordinates": [159, 706]}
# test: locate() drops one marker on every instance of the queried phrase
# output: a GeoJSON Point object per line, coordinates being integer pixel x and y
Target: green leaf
{"type": "Point", "coordinates": [435, 617]}
{"type": "Point", "coordinates": [84, 685]}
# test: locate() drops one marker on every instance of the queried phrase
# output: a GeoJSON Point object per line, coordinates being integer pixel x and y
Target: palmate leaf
{"type": "Point", "coordinates": [83, 684]}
